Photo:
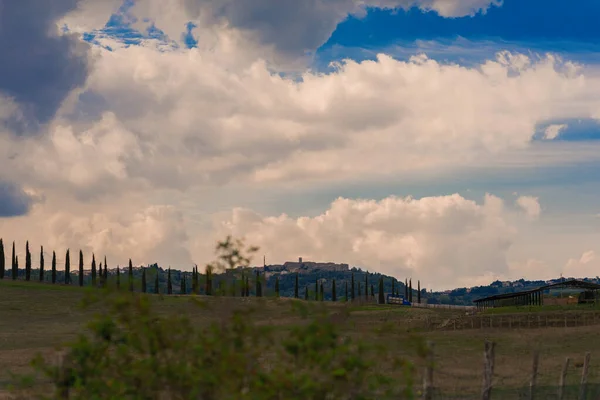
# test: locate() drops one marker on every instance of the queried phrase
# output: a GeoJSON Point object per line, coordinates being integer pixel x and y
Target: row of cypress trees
{"type": "Point", "coordinates": [99, 277]}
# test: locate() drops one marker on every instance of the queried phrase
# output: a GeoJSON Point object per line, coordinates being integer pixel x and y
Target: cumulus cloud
{"type": "Point", "coordinates": [120, 230]}
{"type": "Point", "coordinates": [13, 200]}
{"type": "Point", "coordinates": [443, 240]}
{"type": "Point", "coordinates": [531, 206]}
{"type": "Point", "coordinates": [40, 66]}
{"type": "Point", "coordinates": [290, 27]}
{"type": "Point", "coordinates": [584, 266]}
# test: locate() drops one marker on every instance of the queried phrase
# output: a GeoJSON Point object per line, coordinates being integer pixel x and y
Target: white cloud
{"type": "Point", "coordinates": [531, 206]}
{"type": "Point", "coordinates": [552, 131]}
{"type": "Point", "coordinates": [585, 266]}
{"type": "Point", "coordinates": [443, 241]}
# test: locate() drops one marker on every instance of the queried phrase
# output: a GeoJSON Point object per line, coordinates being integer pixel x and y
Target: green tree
{"type": "Point", "coordinates": [143, 280]}
{"type": "Point", "coordinates": [13, 264]}
{"type": "Point", "coordinates": [333, 293]}
{"type": "Point", "coordinates": [80, 268]}
{"type": "Point", "coordinates": [105, 280]}
{"type": "Point", "coordinates": [156, 288]}
{"type": "Point", "coordinates": [359, 290]}
{"type": "Point", "coordinates": [316, 289]}
{"type": "Point", "coordinates": [393, 287]}
{"type": "Point", "coordinates": [322, 295]}
{"type": "Point", "coordinates": [410, 291]}
{"type": "Point", "coordinates": [372, 291]}
{"type": "Point", "coordinates": [130, 276]}
{"type": "Point", "coordinates": [352, 287]}
{"type": "Point", "coordinates": [53, 267]}
{"type": "Point", "coordinates": [2, 260]}
{"type": "Point", "coordinates": [183, 286]}
{"type": "Point", "coordinates": [257, 284]}
{"type": "Point", "coordinates": [296, 286]}
{"type": "Point", "coordinates": [27, 262]}
{"type": "Point", "coordinates": [366, 285]}
{"type": "Point", "coordinates": [418, 291]}
{"type": "Point", "coordinates": [195, 280]}
{"type": "Point", "coordinates": [118, 277]}
{"type": "Point", "coordinates": [346, 291]}
{"type": "Point", "coordinates": [406, 289]}
{"type": "Point", "coordinates": [169, 284]}
{"type": "Point", "coordinates": [306, 293]}
{"type": "Point", "coordinates": [42, 264]}
{"type": "Point", "coordinates": [68, 268]}
{"type": "Point", "coordinates": [247, 286]}
{"type": "Point", "coordinates": [381, 297]}
{"type": "Point", "coordinates": [277, 286]}
{"type": "Point", "coordinates": [93, 270]}
{"type": "Point", "coordinates": [209, 280]}
{"type": "Point", "coordinates": [17, 263]}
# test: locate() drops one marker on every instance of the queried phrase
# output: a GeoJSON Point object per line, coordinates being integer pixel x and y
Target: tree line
{"type": "Point", "coordinates": [232, 281]}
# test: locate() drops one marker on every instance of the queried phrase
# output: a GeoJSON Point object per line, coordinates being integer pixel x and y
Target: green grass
{"type": "Point", "coordinates": [543, 309]}
{"type": "Point", "coordinates": [38, 317]}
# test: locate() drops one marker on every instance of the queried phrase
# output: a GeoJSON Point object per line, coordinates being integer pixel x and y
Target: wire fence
{"type": "Point", "coordinates": [576, 380]}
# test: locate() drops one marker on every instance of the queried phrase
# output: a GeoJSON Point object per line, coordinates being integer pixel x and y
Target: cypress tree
{"type": "Point", "coordinates": [93, 270]}
{"type": "Point", "coordinates": [247, 286]}
{"type": "Point", "coordinates": [410, 291]}
{"type": "Point", "coordinates": [393, 287]}
{"type": "Point", "coordinates": [143, 280]}
{"type": "Point", "coordinates": [316, 289]}
{"type": "Point", "coordinates": [333, 293]}
{"type": "Point", "coordinates": [296, 287]}
{"type": "Point", "coordinates": [406, 289]}
{"type": "Point", "coordinates": [169, 284]}
{"type": "Point", "coordinates": [366, 285]}
{"type": "Point", "coordinates": [2, 260]}
{"type": "Point", "coordinates": [257, 285]}
{"type": "Point", "coordinates": [13, 264]}
{"type": "Point", "coordinates": [105, 280]}
{"type": "Point", "coordinates": [156, 289]}
{"type": "Point", "coordinates": [53, 267]}
{"type": "Point", "coordinates": [182, 285]}
{"type": "Point", "coordinates": [42, 264]}
{"type": "Point", "coordinates": [322, 296]}
{"type": "Point", "coordinates": [68, 268]}
{"type": "Point", "coordinates": [306, 293]}
{"type": "Point", "coordinates": [359, 291]}
{"type": "Point", "coordinates": [17, 263]}
{"type": "Point", "coordinates": [80, 268]}
{"type": "Point", "coordinates": [381, 297]}
{"type": "Point", "coordinates": [352, 287]}
{"type": "Point", "coordinates": [372, 291]}
{"type": "Point", "coordinates": [100, 274]}
{"type": "Point", "coordinates": [243, 286]}
{"type": "Point", "coordinates": [194, 281]}
{"type": "Point", "coordinates": [27, 262]}
{"type": "Point", "coordinates": [277, 286]}
{"type": "Point", "coordinates": [130, 276]}
{"type": "Point", "coordinates": [346, 291]}
{"type": "Point", "coordinates": [418, 291]}
{"type": "Point", "coordinates": [118, 277]}
{"type": "Point", "coordinates": [209, 280]}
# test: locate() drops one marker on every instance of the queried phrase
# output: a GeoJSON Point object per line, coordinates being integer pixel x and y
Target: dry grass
{"type": "Point", "coordinates": [37, 318]}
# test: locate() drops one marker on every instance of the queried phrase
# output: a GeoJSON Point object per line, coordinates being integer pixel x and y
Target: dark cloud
{"type": "Point", "coordinates": [13, 200]}
{"type": "Point", "coordinates": [39, 67]}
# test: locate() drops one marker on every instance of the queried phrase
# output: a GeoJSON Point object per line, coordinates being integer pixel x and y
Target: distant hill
{"type": "Point", "coordinates": [308, 274]}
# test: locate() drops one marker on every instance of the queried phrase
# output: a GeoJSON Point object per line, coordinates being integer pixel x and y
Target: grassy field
{"type": "Point", "coordinates": [38, 318]}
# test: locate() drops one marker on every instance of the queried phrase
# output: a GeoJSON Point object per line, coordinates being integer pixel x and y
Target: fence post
{"type": "Point", "coordinates": [534, 373]}
{"type": "Point", "coordinates": [488, 370]}
{"type": "Point", "coordinates": [562, 379]}
{"type": "Point", "coordinates": [428, 377]}
{"type": "Point", "coordinates": [584, 376]}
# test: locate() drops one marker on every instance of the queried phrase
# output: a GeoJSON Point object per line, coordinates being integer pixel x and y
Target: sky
{"type": "Point", "coordinates": [451, 141]}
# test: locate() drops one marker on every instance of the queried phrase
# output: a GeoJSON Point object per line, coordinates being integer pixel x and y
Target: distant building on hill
{"type": "Point", "coordinates": [303, 267]}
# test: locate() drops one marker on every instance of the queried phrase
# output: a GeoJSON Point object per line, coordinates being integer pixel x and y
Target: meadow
{"type": "Point", "coordinates": [38, 318]}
